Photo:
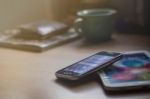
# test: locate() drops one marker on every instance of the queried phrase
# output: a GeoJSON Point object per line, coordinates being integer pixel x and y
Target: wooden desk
{"type": "Point", "coordinates": [26, 75]}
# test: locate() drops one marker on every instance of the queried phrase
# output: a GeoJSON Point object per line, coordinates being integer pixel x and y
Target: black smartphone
{"type": "Point", "coordinates": [88, 65]}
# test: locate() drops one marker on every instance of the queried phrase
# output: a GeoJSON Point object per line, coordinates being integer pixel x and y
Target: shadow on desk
{"type": "Point", "coordinates": [86, 43]}
{"type": "Point", "coordinates": [127, 93]}
{"type": "Point", "coordinates": [119, 42]}
{"type": "Point", "coordinates": [85, 84]}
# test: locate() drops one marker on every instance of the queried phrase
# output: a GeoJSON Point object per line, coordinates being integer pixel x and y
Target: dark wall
{"type": "Point", "coordinates": [147, 16]}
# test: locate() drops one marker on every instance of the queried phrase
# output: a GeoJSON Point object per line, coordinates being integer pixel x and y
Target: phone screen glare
{"type": "Point", "coordinates": [88, 64]}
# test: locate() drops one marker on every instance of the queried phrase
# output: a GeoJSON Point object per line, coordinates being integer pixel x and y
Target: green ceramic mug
{"type": "Point", "coordinates": [95, 24]}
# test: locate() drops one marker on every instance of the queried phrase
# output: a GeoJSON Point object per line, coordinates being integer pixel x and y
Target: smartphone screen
{"type": "Point", "coordinates": [89, 64]}
{"type": "Point", "coordinates": [131, 68]}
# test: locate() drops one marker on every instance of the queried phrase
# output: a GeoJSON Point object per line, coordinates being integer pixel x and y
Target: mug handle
{"type": "Point", "coordinates": [78, 25]}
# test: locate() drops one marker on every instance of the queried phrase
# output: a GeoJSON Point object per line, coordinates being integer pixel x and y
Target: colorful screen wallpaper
{"type": "Point", "coordinates": [131, 68]}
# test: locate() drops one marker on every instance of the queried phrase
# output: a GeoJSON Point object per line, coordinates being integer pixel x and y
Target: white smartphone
{"type": "Point", "coordinates": [88, 65]}
{"type": "Point", "coordinates": [131, 72]}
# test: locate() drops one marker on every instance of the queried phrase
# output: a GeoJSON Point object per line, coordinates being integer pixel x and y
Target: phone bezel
{"type": "Point", "coordinates": [75, 77]}
{"type": "Point", "coordinates": [109, 85]}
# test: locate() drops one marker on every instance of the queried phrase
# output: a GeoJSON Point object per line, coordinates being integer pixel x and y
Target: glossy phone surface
{"type": "Point", "coordinates": [132, 70]}
{"type": "Point", "coordinates": [88, 65]}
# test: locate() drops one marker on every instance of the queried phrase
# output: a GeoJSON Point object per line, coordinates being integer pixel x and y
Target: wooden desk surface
{"type": "Point", "coordinates": [26, 75]}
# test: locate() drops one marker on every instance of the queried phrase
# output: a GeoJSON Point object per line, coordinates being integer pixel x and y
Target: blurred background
{"type": "Point", "coordinates": [16, 12]}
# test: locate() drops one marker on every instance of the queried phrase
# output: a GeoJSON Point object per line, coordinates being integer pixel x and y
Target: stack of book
{"type": "Point", "coordinates": [37, 36]}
